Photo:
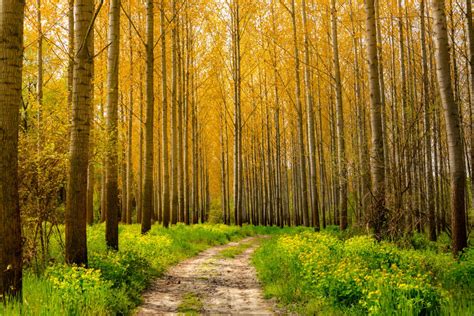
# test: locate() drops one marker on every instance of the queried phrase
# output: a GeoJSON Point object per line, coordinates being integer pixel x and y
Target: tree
{"type": "Point", "coordinates": [112, 203]}
{"type": "Point", "coordinates": [174, 118]}
{"type": "Point", "coordinates": [427, 121]}
{"type": "Point", "coordinates": [470, 31]}
{"type": "Point", "coordinates": [451, 117]}
{"type": "Point", "coordinates": [11, 61]}
{"type": "Point", "coordinates": [148, 185]}
{"type": "Point", "coordinates": [76, 205]}
{"type": "Point", "coordinates": [377, 164]}
{"type": "Point", "coordinates": [311, 126]}
{"type": "Point", "coordinates": [300, 123]}
{"type": "Point", "coordinates": [164, 119]}
{"type": "Point", "coordinates": [237, 80]}
{"type": "Point", "coordinates": [341, 154]}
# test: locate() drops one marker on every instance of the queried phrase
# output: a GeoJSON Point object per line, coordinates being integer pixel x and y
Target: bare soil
{"type": "Point", "coordinates": [226, 286]}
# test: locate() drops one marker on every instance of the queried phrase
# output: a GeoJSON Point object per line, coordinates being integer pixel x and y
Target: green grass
{"type": "Point", "coordinates": [330, 274]}
{"type": "Point", "coordinates": [234, 251]}
{"type": "Point", "coordinates": [190, 305]}
{"type": "Point", "coordinates": [114, 281]}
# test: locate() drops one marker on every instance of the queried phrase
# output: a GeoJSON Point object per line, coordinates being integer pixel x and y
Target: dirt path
{"type": "Point", "coordinates": [210, 284]}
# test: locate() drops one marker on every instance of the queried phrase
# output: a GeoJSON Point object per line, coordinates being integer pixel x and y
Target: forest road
{"type": "Point", "coordinates": [210, 284]}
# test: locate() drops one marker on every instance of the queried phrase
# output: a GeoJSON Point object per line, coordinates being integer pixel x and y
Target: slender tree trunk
{"type": "Point", "coordinates": [128, 211]}
{"type": "Point", "coordinates": [238, 200]}
{"type": "Point", "coordinates": [11, 60]}
{"type": "Point", "coordinates": [300, 125]}
{"type": "Point", "coordinates": [164, 121]}
{"type": "Point", "coordinates": [148, 185]}
{"type": "Point", "coordinates": [451, 115]}
{"type": "Point", "coordinates": [70, 64]}
{"type": "Point", "coordinates": [427, 124]}
{"type": "Point", "coordinates": [174, 110]}
{"type": "Point", "coordinates": [112, 204]}
{"type": "Point", "coordinates": [313, 185]}
{"type": "Point", "coordinates": [140, 156]}
{"type": "Point", "coordinates": [470, 34]}
{"type": "Point", "coordinates": [341, 156]}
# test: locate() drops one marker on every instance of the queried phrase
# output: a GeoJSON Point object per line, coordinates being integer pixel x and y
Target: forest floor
{"type": "Point", "coordinates": [220, 280]}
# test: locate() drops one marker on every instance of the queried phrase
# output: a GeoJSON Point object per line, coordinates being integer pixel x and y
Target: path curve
{"type": "Point", "coordinates": [223, 285]}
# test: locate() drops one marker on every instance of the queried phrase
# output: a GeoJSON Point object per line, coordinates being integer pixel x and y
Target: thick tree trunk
{"type": "Point", "coordinates": [76, 244]}
{"type": "Point", "coordinates": [451, 115]}
{"type": "Point", "coordinates": [11, 60]}
{"type": "Point", "coordinates": [378, 217]}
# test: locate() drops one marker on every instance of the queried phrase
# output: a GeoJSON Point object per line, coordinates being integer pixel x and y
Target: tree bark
{"type": "Point", "coordinates": [148, 185]}
{"type": "Point", "coordinates": [451, 115]}
{"type": "Point", "coordinates": [76, 205]}
{"type": "Point", "coordinates": [11, 60]}
{"type": "Point", "coordinates": [166, 172]}
{"type": "Point", "coordinates": [427, 125]}
{"type": "Point", "coordinates": [377, 164]}
{"type": "Point", "coordinates": [341, 154]}
{"type": "Point", "coordinates": [470, 34]}
{"type": "Point", "coordinates": [300, 125]}
{"type": "Point", "coordinates": [112, 204]}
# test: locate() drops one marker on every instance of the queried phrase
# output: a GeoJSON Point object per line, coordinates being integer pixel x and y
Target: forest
{"type": "Point", "coordinates": [307, 157]}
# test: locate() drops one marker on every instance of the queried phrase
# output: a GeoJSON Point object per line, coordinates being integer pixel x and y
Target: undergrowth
{"type": "Point", "coordinates": [329, 273]}
{"type": "Point", "coordinates": [113, 282]}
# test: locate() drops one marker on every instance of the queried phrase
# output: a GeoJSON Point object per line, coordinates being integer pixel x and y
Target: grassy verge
{"type": "Point", "coordinates": [322, 273]}
{"type": "Point", "coordinates": [234, 251]}
{"type": "Point", "coordinates": [114, 281]}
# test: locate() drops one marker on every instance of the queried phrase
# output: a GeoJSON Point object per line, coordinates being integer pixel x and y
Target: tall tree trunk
{"type": "Point", "coordinates": [164, 121]}
{"type": "Point", "coordinates": [11, 60]}
{"type": "Point", "coordinates": [148, 185]}
{"type": "Point", "coordinates": [427, 124]}
{"type": "Point", "coordinates": [70, 64]}
{"type": "Point", "coordinates": [174, 109]}
{"type": "Point", "coordinates": [300, 125]}
{"type": "Point", "coordinates": [129, 196]}
{"type": "Point", "coordinates": [112, 204]}
{"type": "Point", "coordinates": [377, 164]}
{"type": "Point", "coordinates": [76, 243]}
{"type": "Point", "coordinates": [236, 36]}
{"type": "Point", "coordinates": [451, 115]}
{"type": "Point", "coordinates": [341, 156]}
{"type": "Point", "coordinates": [140, 156]}
{"type": "Point", "coordinates": [470, 34]}
{"type": "Point", "coordinates": [313, 185]}
{"type": "Point", "coordinates": [91, 167]}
